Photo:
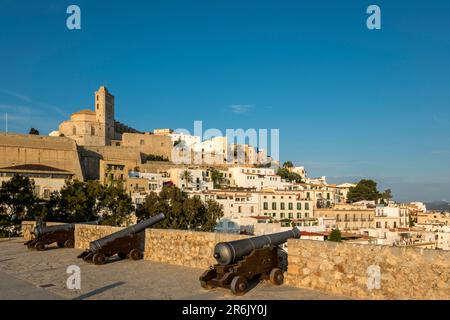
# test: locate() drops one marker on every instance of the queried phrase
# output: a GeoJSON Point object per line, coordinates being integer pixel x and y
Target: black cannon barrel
{"type": "Point", "coordinates": [97, 244]}
{"type": "Point", "coordinates": [41, 230]}
{"type": "Point", "coordinates": [230, 252]}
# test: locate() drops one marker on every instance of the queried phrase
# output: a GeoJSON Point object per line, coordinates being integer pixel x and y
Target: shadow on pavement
{"type": "Point", "coordinates": [98, 291]}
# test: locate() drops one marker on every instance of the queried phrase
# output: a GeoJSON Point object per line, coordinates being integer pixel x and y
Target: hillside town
{"type": "Point", "coordinates": [257, 194]}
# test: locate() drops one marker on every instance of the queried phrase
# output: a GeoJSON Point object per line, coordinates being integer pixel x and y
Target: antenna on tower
{"type": "Point", "coordinates": [6, 120]}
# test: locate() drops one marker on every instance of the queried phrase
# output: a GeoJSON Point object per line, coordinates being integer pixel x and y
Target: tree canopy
{"type": "Point", "coordinates": [335, 235]}
{"type": "Point", "coordinates": [288, 164]}
{"type": "Point", "coordinates": [364, 190]}
{"type": "Point", "coordinates": [181, 211]}
{"type": "Point", "coordinates": [34, 131]}
{"type": "Point", "coordinates": [284, 173]}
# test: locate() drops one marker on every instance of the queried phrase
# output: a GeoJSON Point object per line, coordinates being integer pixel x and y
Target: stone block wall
{"type": "Point", "coordinates": [341, 268]}
{"type": "Point", "coordinates": [350, 269]}
{"type": "Point", "coordinates": [85, 233]}
{"type": "Point", "coordinates": [184, 248]}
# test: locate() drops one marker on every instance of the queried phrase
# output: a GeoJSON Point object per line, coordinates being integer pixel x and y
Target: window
{"type": "Point", "coordinates": [291, 215]}
{"type": "Point", "coordinates": [299, 215]}
{"type": "Point", "coordinates": [239, 209]}
{"type": "Point", "coordinates": [306, 206]}
{"type": "Point", "coordinates": [46, 193]}
{"type": "Point", "coordinates": [74, 131]}
{"type": "Point", "coordinates": [92, 131]}
{"type": "Point", "coordinates": [290, 206]}
{"type": "Point", "coordinates": [142, 142]}
{"type": "Point", "coordinates": [299, 206]}
{"type": "Point", "coordinates": [274, 206]}
{"type": "Point", "coordinates": [378, 225]}
{"type": "Point", "coordinates": [282, 215]}
{"type": "Point", "coordinates": [252, 210]}
{"type": "Point", "coordinates": [283, 206]}
{"type": "Point", "coordinates": [266, 206]}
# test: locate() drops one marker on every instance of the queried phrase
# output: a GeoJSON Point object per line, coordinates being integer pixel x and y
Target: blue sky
{"type": "Point", "coordinates": [349, 102]}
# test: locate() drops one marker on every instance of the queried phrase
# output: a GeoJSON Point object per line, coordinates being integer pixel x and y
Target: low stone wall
{"type": "Point", "coordinates": [85, 233]}
{"type": "Point", "coordinates": [341, 268]}
{"type": "Point", "coordinates": [351, 269]}
{"type": "Point", "coordinates": [184, 248]}
{"type": "Point", "coordinates": [28, 227]}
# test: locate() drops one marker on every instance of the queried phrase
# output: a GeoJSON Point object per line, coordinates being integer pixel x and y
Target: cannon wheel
{"type": "Point", "coordinates": [60, 244]}
{"type": "Point", "coordinates": [40, 246]}
{"type": "Point", "coordinates": [122, 255]}
{"type": "Point", "coordinates": [276, 276]}
{"type": "Point", "coordinates": [205, 285]}
{"type": "Point", "coordinates": [135, 254]}
{"type": "Point", "coordinates": [238, 285]}
{"type": "Point", "coordinates": [69, 244]}
{"type": "Point", "coordinates": [99, 259]}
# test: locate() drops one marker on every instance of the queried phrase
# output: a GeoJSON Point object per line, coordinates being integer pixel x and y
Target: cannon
{"type": "Point", "coordinates": [124, 243]}
{"type": "Point", "coordinates": [63, 235]}
{"type": "Point", "coordinates": [242, 260]}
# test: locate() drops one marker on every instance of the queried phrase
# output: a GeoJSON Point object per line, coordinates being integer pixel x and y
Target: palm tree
{"type": "Point", "coordinates": [216, 177]}
{"type": "Point", "coordinates": [186, 176]}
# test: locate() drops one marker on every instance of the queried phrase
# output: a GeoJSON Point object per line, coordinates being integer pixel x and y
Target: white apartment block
{"type": "Point", "coordinates": [391, 217]}
{"type": "Point", "coordinates": [199, 179]}
{"type": "Point", "coordinates": [256, 178]}
{"type": "Point", "coordinates": [281, 205]}
{"type": "Point", "coordinates": [186, 139]}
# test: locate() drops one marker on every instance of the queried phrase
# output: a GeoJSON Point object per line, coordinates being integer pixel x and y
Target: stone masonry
{"type": "Point", "coordinates": [351, 269]}
{"type": "Point", "coordinates": [340, 268]}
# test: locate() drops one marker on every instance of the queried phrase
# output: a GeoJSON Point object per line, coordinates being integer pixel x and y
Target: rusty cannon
{"type": "Point", "coordinates": [124, 243]}
{"type": "Point", "coordinates": [242, 260]}
{"type": "Point", "coordinates": [63, 235]}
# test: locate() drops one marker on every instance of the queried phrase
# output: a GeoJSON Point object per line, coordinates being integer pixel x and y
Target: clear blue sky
{"type": "Point", "coordinates": [349, 102]}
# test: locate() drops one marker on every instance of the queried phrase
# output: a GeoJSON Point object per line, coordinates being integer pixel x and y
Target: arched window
{"type": "Point", "coordinates": [92, 131]}
{"type": "Point", "coordinates": [74, 130]}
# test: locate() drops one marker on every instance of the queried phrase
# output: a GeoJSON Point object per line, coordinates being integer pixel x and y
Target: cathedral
{"type": "Point", "coordinates": [95, 128]}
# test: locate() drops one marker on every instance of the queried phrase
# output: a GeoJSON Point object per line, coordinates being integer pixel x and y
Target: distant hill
{"type": "Point", "coordinates": [438, 206]}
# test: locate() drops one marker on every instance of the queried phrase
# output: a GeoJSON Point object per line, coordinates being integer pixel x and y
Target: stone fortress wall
{"type": "Point", "coordinates": [341, 268]}
{"type": "Point", "coordinates": [57, 152]}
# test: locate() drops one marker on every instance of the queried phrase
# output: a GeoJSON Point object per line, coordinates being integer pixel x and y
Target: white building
{"type": "Point", "coordinates": [186, 139]}
{"type": "Point", "coordinates": [391, 217]}
{"type": "Point", "coordinates": [256, 178]}
{"type": "Point", "coordinates": [197, 179]}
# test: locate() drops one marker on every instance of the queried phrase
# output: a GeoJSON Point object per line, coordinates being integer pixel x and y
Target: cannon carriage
{"type": "Point", "coordinates": [242, 260]}
{"type": "Point", "coordinates": [63, 235]}
{"type": "Point", "coordinates": [124, 243]}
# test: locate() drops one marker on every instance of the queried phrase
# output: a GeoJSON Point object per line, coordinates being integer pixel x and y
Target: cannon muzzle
{"type": "Point", "coordinates": [229, 252]}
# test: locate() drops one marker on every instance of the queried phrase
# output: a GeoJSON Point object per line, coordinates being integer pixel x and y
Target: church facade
{"type": "Point", "coordinates": [95, 128]}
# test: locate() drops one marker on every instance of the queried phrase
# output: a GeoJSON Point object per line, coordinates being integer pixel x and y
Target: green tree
{"type": "Point", "coordinates": [335, 236]}
{"type": "Point", "coordinates": [34, 131]}
{"type": "Point", "coordinates": [186, 176]}
{"type": "Point", "coordinates": [364, 190]}
{"type": "Point", "coordinates": [17, 197]}
{"type": "Point", "coordinates": [181, 211]}
{"type": "Point", "coordinates": [285, 174]}
{"type": "Point", "coordinates": [115, 206]}
{"type": "Point", "coordinates": [76, 202]}
{"type": "Point", "coordinates": [386, 196]}
{"type": "Point", "coordinates": [216, 177]}
{"type": "Point", "coordinates": [288, 164]}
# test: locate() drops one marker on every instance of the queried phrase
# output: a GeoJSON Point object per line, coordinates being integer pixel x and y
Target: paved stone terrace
{"type": "Point", "coordinates": [28, 274]}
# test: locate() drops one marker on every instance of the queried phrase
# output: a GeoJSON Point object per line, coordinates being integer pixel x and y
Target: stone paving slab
{"type": "Point", "coordinates": [29, 274]}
